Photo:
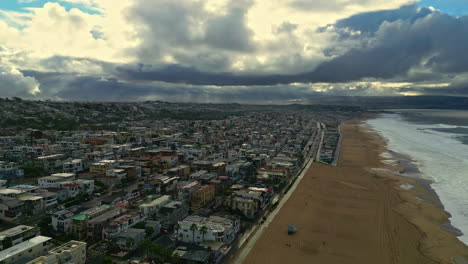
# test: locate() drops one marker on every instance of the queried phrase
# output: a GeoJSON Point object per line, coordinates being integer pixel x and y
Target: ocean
{"type": "Point", "coordinates": [437, 143]}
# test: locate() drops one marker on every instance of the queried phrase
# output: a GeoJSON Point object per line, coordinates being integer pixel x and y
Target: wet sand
{"type": "Point", "coordinates": [346, 215]}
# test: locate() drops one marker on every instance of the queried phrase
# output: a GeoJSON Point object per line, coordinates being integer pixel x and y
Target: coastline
{"type": "Point", "coordinates": [344, 215]}
{"type": "Point", "coordinates": [422, 207]}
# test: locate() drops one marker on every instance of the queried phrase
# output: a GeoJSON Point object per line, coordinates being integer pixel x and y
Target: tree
{"type": "Point", "coordinates": [145, 246]}
{"type": "Point", "coordinates": [203, 230]}
{"type": "Point", "coordinates": [107, 260]}
{"type": "Point", "coordinates": [149, 231]}
{"type": "Point", "coordinates": [193, 228]}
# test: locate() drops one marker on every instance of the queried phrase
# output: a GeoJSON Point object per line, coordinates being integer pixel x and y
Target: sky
{"type": "Point", "coordinates": [246, 51]}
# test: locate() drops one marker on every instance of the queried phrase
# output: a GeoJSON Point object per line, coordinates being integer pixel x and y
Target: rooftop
{"type": "Point", "coordinates": [21, 247]}
{"type": "Point", "coordinates": [15, 230]}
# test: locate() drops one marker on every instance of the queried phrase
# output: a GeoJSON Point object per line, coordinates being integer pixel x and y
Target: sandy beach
{"type": "Point", "coordinates": [345, 214]}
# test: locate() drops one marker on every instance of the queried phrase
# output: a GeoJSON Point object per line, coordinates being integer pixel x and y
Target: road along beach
{"type": "Point", "coordinates": [360, 211]}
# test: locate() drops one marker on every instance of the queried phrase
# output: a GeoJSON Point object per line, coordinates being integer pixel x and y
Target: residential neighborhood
{"type": "Point", "coordinates": [140, 188]}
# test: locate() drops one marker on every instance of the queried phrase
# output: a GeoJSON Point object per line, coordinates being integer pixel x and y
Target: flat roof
{"type": "Point", "coordinates": [157, 201]}
{"type": "Point", "coordinates": [63, 175]}
{"type": "Point", "coordinates": [21, 247]}
{"type": "Point", "coordinates": [16, 230]}
{"type": "Point", "coordinates": [10, 191]}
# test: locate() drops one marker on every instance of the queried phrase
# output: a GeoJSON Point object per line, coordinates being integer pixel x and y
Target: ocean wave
{"type": "Point", "coordinates": [440, 157]}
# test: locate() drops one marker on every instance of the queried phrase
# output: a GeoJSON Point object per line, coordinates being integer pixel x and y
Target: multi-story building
{"type": "Point", "coordinates": [50, 163]}
{"type": "Point", "coordinates": [9, 170]}
{"type": "Point", "coordinates": [79, 225]}
{"type": "Point", "coordinates": [26, 251]}
{"type": "Point", "coordinates": [130, 239]}
{"type": "Point", "coordinates": [172, 212]}
{"type": "Point", "coordinates": [62, 220]}
{"type": "Point", "coordinates": [150, 209]}
{"type": "Point", "coordinates": [16, 235]}
{"type": "Point", "coordinates": [102, 166]}
{"type": "Point", "coordinates": [97, 224]}
{"type": "Point", "coordinates": [54, 180]}
{"type": "Point", "coordinates": [185, 190]}
{"type": "Point", "coordinates": [201, 196]}
{"type": "Point", "coordinates": [72, 252]}
{"type": "Point", "coordinates": [121, 224]}
{"type": "Point", "coordinates": [215, 228]}
{"type": "Point", "coordinates": [73, 166]}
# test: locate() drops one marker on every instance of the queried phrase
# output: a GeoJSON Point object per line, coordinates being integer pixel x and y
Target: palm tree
{"type": "Point", "coordinates": [177, 228]}
{"type": "Point", "coordinates": [193, 227]}
{"type": "Point", "coordinates": [203, 230]}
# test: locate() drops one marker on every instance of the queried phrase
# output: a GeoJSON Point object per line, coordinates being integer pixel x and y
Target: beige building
{"type": "Point", "coordinates": [72, 252]}
{"type": "Point", "coordinates": [202, 196]}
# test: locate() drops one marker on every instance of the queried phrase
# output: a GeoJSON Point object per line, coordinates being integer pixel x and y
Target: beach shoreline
{"type": "Point", "coordinates": [344, 215]}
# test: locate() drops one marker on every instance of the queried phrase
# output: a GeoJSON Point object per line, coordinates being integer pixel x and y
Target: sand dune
{"type": "Point", "coordinates": [345, 215]}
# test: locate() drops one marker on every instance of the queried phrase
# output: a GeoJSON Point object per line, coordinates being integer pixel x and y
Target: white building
{"type": "Point", "coordinates": [152, 208]}
{"type": "Point", "coordinates": [62, 220]}
{"type": "Point", "coordinates": [54, 180]}
{"type": "Point", "coordinates": [73, 166]}
{"type": "Point", "coordinates": [218, 228]}
{"type": "Point", "coordinates": [26, 251]}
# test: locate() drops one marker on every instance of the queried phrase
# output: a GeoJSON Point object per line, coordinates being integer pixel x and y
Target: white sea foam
{"type": "Point", "coordinates": [440, 157]}
{"type": "Point", "coordinates": [386, 155]}
{"type": "Point", "coordinates": [406, 186]}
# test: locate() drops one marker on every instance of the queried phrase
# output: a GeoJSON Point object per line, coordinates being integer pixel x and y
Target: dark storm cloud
{"type": "Point", "coordinates": [386, 46]}
{"type": "Point", "coordinates": [370, 22]}
{"type": "Point", "coordinates": [188, 75]}
{"type": "Point", "coordinates": [76, 87]}
{"type": "Point", "coordinates": [389, 44]}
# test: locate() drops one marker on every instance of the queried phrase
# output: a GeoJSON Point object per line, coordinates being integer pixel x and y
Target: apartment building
{"type": "Point", "coordinates": [201, 196]}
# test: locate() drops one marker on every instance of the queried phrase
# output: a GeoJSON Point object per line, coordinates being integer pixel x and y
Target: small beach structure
{"type": "Point", "coordinates": [292, 229]}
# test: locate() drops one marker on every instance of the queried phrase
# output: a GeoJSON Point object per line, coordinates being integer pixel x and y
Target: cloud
{"type": "Point", "coordinates": [233, 50]}
{"type": "Point", "coordinates": [14, 83]}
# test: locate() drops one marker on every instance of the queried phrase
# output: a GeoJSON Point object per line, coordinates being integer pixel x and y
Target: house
{"type": "Point", "coordinates": [172, 212]}
{"type": "Point", "coordinates": [102, 166]}
{"type": "Point", "coordinates": [249, 201]}
{"type": "Point", "coordinates": [96, 225]}
{"type": "Point", "coordinates": [10, 170]}
{"type": "Point", "coordinates": [181, 171]}
{"type": "Point", "coordinates": [150, 209]}
{"type": "Point", "coordinates": [62, 220]}
{"type": "Point", "coordinates": [186, 189]}
{"type": "Point", "coordinates": [202, 196]}
{"type": "Point", "coordinates": [121, 223]}
{"type": "Point", "coordinates": [165, 185]}
{"type": "Point", "coordinates": [73, 166]}
{"type": "Point", "coordinates": [50, 163]}
{"type": "Point", "coordinates": [13, 210]}
{"type": "Point", "coordinates": [54, 180]}
{"type": "Point", "coordinates": [129, 239]}
{"type": "Point", "coordinates": [218, 228]}
{"type": "Point", "coordinates": [79, 223]}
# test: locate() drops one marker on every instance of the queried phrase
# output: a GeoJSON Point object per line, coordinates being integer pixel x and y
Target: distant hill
{"type": "Point", "coordinates": [395, 102]}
